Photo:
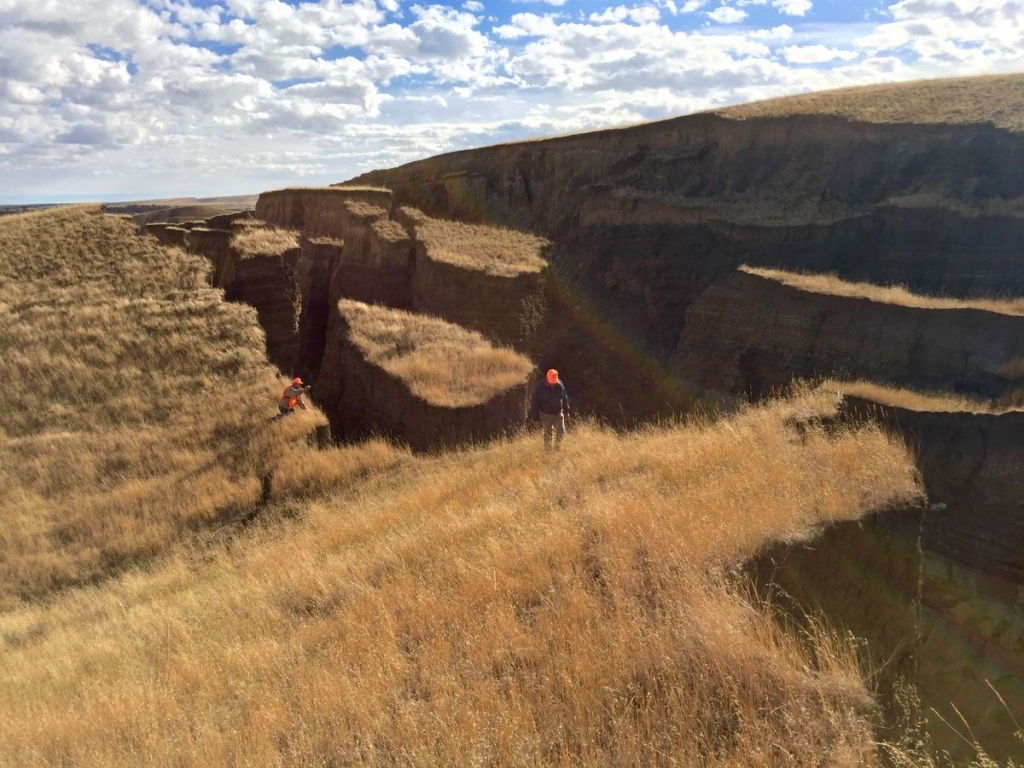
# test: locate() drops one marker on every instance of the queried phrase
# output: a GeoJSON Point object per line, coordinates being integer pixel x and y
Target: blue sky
{"type": "Point", "coordinates": [130, 99]}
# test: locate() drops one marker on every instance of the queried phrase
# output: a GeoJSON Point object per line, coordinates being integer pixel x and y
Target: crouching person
{"type": "Point", "coordinates": [292, 397]}
{"type": "Point", "coordinates": [549, 407]}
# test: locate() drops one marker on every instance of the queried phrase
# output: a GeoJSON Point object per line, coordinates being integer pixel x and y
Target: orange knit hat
{"type": "Point", "coordinates": [552, 376]}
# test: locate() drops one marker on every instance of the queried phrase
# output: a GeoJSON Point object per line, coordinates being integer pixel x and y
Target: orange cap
{"type": "Point", "coordinates": [297, 381]}
{"type": "Point", "coordinates": [552, 376]}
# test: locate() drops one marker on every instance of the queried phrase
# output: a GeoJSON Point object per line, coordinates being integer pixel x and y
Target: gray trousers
{"type": "Point", "coordinates": [552, 425]}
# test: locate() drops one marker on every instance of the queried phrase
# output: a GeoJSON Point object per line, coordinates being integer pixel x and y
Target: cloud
{"type": "Point", "coordinates": [727, 15]}
{"type": "Point", "coordinates": [815, 54]}
{"type": "Point", "coordinates": [793, 7]}
{"type": "Point", "coordinates": [212, 96]}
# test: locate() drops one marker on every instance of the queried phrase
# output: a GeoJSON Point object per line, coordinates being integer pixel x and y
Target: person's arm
{"type": "Point", "coordinates": [565, 398]}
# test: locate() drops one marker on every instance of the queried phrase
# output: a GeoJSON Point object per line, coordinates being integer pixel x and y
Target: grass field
{"type": "Point", "coordinates": [495, 605]}
{"type": "Point", "coordinates": [995, 99]}
{"type": "Point", "coordinates": [140, 403]}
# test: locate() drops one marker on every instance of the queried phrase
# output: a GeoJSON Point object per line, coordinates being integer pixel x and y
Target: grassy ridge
{"type": "Point", "coordinates": [497, 605]}
{"type": "Point", "coordinates": [995, 99]}
{"type": "Point", "coordinates": [494, 250]}
{"type": "Point", "coordinates": [442, 363]}
{"type": "Point", "coordinates": [138, 405]}
{"type": "Point", "coordinates": [490, 606]}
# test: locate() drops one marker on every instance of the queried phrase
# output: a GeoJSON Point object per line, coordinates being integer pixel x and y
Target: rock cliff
{"type": "Point", "coordinates": [643, 219]}
{"type": "Point", "coordinates": [753, 333]}
{"type": "Point", "coordinates": [405, 375]}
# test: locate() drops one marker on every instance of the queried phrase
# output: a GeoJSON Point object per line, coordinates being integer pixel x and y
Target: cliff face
{"type": "Point", "coordinates": [936, 591]}
{"type": "Point", "coordinates": [643, 219]}
{"type": "Point", "coordinates": [973, 469]}
{"type": "Point", "coordinates": [928, 620]}
{"type": "Point", "coordinates": [751, 335]}
{"type": "Point", "coordinates": [362, 399]}
{"type": "Point", "coordinates": [316, 212]}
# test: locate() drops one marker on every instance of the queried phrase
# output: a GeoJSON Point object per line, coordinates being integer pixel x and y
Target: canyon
{"type": "Point", "coordinates": [669, 270]}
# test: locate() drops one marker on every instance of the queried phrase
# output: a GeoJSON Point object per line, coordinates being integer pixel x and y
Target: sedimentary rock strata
{"type": "Point", "coordinates": [753, 334]}
{"type": "Point", "coordinates": [401, 374]}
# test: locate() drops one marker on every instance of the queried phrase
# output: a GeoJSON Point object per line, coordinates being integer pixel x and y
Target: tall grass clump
{"type": "Point", "coordinates": [499, 605]}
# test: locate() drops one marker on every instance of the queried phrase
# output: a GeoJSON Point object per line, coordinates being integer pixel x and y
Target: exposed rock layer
{"type": "Point", "coordinates": [644, 218]}
{"type": "Point", "coordinates": [361, 399]}
{"type": "Point", "coordinates": [752, 334]}
{"type": "Point", "coordinates": [926, 619]}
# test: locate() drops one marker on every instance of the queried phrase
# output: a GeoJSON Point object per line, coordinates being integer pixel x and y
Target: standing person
{"type": "Point", "coordinates": [548, 408]}
{"type": "Point", "coordinates": [292, 396]}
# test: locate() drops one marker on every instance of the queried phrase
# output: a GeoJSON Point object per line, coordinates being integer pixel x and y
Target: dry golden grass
{"type": "Point", "coordinates": [365, 210]}
{"type": "Point", "coordinates": [502, 252]}
{"type": "Point", "coordinates": [886, 294]}
{"type": "Point", "coordinates": [252, 242]}
{"type": "Point", "coordinates": [491, 606]}
{"type": "Point", "coordinates": [901, 397]}
{"type": "Point", "coordinates": [141, 402]}
{"type": "Point", "coordinates": [442, 363]}
{"type": "Point", "coordinates": [996, 99]}
{"type": "Point", "coordinates": [390, 231]}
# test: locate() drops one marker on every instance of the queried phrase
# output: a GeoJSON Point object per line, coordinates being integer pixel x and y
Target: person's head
{"type": "Point", "coordinates": [552, 377]}
{"type": "Point", "coordinates": [296, 382]}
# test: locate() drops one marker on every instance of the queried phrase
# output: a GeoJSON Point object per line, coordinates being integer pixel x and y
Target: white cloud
{"type": "Point", "coordinates": [727, 15]}
{"type": "Point", "coordinates": [641, 15]}
{"type": "Point", "coordinates": [815, 54]}
{"type": "Point", "coordinates": [793, 7]}
{"type": "Point", "coordinates": [185, 97]}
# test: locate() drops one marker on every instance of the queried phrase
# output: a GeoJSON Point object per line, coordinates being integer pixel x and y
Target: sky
{"type": "Point", "coordinates": [108, 100]}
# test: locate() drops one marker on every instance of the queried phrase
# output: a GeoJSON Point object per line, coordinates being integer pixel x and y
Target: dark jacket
{"type": "Point", "coordinates": [548, 398]}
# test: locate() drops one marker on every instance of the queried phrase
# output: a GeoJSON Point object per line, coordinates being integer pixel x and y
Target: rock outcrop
{"type": "Point", "coordinates": [316, 211]}
{"type": "Point", "coordinates": [405, 375]}
{"type": "Point", "coordinates": [753, 334]}
{"type": "Point", "coordinates": [168, 234]}
{"type": "Point", "coordinates": [488, 279]}
{"type": "Point", "coordinates": [643, 219]}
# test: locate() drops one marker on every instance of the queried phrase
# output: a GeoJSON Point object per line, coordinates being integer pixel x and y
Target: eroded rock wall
{"type": "Point", "coordinates": [316, 212]}
{"type": "Point", "coordinates": [506, 309]}
{"type": "Point", "coordinates": [973, 470]}
{"type": "Point", "coordinates": [268, 283]}
{"type": "Point", "coordinates": [363, 399]}
{"type": "Point", "coordinates": [926, 619]}
{"type": "Point", "coordinates": [643, 219]}
{"type": "Point", "coordinates": [750, 335]}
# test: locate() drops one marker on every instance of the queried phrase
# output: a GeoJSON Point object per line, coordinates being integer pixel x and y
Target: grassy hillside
{"type": "Point", "coordinates": [497, 605]}
{"type": "Point", "coordinates": [138, 402]}
{"type": "Point", "coordinates": [995, 99]}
